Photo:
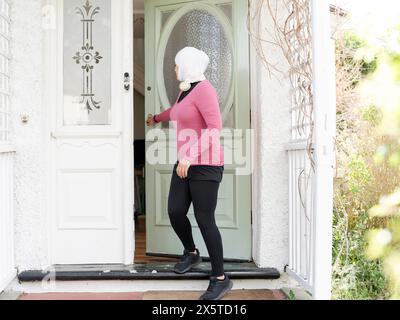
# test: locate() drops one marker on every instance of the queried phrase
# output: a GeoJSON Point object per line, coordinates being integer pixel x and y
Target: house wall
{"type": "Point", "coordinates": [271, 102]}
{"type": "Point", "coordinates": [29, 138]}
{"type": "Point", "coordinates": [270, 120]}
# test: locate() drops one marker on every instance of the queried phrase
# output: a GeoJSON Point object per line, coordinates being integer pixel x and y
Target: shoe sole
{"type": "Point", "coordinates": [188, 268]}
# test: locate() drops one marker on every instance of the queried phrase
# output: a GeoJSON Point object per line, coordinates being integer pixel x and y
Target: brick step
{"type": "Point", "coordinates": [259, 294]}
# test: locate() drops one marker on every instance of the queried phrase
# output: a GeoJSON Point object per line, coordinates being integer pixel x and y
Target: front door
{"type": "Point", "coordinates": [89, 63]}
{"type": "Point", "coordinates": [218, 28]}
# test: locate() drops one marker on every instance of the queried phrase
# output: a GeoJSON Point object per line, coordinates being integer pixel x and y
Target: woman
{"type": "Point", "coordinates": [199, 169]}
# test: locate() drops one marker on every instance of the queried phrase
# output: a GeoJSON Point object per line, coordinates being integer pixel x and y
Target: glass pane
{"type": "Point", "coordinates": [200, 29]}
{"type": "Point", "coordinates": [87, 62]}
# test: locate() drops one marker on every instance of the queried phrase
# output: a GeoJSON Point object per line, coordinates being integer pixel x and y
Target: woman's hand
{"type": "Point", "coordinates": [150, 120]}
{"type": "Point", "coordinates": [183, 168]}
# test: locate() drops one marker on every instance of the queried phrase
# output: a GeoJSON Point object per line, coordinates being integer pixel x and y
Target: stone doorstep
{"type": "Point", "coordinates": [296, 294]}
{"type": "Point", "coordinates": [81, 296]}
{"type": "Point", "coordinates": [10, 295]}
{"type": "Point", "coordinates": [258, 294]}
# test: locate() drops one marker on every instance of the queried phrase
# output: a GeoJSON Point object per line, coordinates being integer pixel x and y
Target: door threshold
{"type": "Point", "coordinates": [205, 259]}
{"type": "Point", "coordinates": [145, 271]}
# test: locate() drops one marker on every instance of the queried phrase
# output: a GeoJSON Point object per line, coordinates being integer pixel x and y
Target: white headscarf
{"type": "Point", "coordinates": [192, 64]}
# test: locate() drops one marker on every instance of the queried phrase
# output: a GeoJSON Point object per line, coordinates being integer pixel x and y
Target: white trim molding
{"type": "Point", "coordinates": [324, 116]}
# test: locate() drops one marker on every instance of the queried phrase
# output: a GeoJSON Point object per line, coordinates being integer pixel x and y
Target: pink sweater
{"type": "Point", "coordinates": [197, 119]}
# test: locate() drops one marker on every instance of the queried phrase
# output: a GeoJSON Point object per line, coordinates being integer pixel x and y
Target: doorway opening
{"type": "Point", "coordinates": [139, 115]}
{"type": "Point", "coordinates": [177, 26]}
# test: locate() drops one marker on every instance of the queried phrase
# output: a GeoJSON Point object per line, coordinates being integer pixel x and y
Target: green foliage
{"type": "Point", "coordinates": [395, 60]}
{"type": "Point", "coordinates": [372, 115]}
{"type": "Point", "coordinates": [353, 41]}
{"type": "Point", "coordinates": [355, 277]}
{"type": "Point", "coordinates": [368, 162]}
{"type": "Point", "coordinates": [350, 45]}
{"type": "Point", "coordinates": [291, 295]}
{"type": "Point", "coordinates": [384, 241]}
{"type": "Point", "coordinates": [359, 177]}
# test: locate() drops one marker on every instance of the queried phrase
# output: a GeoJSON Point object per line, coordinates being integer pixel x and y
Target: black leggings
{"type": "Point", "coordinates": [203, 194]}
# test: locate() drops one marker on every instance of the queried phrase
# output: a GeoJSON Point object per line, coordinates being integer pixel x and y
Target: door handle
{"type": "Point", "coordinates": [127, 81]}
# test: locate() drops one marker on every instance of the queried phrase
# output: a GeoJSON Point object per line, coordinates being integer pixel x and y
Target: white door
{"type": "Point", "coordinates": [90, 57]}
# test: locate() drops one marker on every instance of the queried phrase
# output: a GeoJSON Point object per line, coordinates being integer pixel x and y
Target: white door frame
{"type": "Point", "coordinates": [52, 62]}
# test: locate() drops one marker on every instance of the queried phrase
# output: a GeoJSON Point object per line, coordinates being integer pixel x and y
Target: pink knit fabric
{"type": "Point", "coordinates": [197, 119]}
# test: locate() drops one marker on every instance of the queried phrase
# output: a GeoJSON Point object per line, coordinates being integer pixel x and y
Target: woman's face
{"type": "Point", "coordinates": [177, 71]}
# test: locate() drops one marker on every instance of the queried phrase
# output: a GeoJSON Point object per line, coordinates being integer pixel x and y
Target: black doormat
{"type": "Point", "coordinates": [145, 271]}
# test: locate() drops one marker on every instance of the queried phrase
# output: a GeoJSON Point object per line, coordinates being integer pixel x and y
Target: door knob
{"type": "Point", "coordinates": [127, 81]}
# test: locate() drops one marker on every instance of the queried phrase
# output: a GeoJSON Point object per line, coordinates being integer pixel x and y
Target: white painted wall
{"type": "Point", "coordinates": [270, 117]}
{"type": "Point", "coordinates": [271, 122]}
{"type": "Point", "coordinates": [26, 90]}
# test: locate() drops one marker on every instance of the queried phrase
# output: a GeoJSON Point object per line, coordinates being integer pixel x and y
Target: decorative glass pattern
{"type": "Point", "coordinates": [5, 109]}
{"type": "Point", "coordinates": [87, 62]}
{"type": "Point", "coordinates": [200, 29]}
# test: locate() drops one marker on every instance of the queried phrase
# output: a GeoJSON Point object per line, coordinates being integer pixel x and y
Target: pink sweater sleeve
{"type": "Point", "coordinates": [207, 103]}
{"type": "Point", "coordinates": [163, 116]}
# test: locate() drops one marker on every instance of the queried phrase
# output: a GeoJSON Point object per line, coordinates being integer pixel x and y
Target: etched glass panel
{"type": "Point", "coordinates": [200, 29]}
{"type": "Point", "coordinates": [87, 62]}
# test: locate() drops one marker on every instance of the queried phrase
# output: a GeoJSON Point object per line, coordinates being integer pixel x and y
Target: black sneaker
{"type": "Point", "coordinates": [188, 261]}
{"type": "Point", "coordinates": [217, 289]}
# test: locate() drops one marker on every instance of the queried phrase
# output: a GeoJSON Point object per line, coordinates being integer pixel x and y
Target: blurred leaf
{"type": "Point", "coordinates": [388, 206]}
{"type": "Point", "coordinates": [392, 268]}
{"type": "Point", "coordinates": [378, 241]}
{"type": "Point", "coordinates": [394, 159]}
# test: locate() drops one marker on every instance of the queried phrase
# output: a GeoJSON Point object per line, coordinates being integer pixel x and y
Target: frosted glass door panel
{"type": "Point", "coordinates": [201, 29]}
{"type": "Point", "coordinates": [87, 62]}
